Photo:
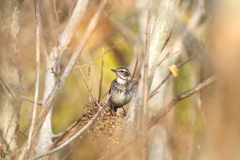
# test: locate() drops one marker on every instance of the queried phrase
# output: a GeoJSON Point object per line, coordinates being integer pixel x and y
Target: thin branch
{"type": "Point", "coordinates": [56, 15]}
{"type": "Point", "coordinates": [120, 42]}
{"type": "Point", "coordinates": [59, 84]}
{"type": "Point", "coordinates": [88, 87]}
{"type": "Point", "coordinates": [145, 87]}
{"type": "Point", "coordinates": [72, 138]}
{"type": "Point", "coordinates": [71, 129]}
{"type": "Point", "coordinates": [34, 112]}
{"type": "Point", "coordinates": [101, 78]}
{"type": "Point", "coordinates": [72, 24]}
{"type": "Point", "coordinates": [89, 84]}
{"type": "Point", "coordinates": [62, 135]}
{"type": "Point", "coordinates": [154, 120]}
{"type": "Point", "coordinates": [30, 100]}
{"type": "Point", "coordinates": [7, 88]}
{"type": "Point", "coordinates": [136, 64]}
{"type": "Point", "coordinates": [73, 148]}
{"type": "Point", "coordinates": [155, 91]}
{"type": "Point", "coordinates": [167, 56]}
{"type": "Point", "coordinates": [71, 8]}
{"type": "Point", "coordinates": [57, 22]}
{"type": "Point", "coordinates": [178, 98]}
{"type": "Point", "coordinates": [167, 40]}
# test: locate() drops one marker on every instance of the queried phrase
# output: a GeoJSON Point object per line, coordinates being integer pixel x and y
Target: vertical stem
{"type": "Point", "coordinates": [145, 88]}
{"type": "Point", "coordinates": [37, 16]}
{"type": "Point", "coordinates": [100, 86]}
{"type": "Point", "coordinates": [89, 84]}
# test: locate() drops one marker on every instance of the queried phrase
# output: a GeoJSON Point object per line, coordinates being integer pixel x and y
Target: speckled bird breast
{"type": "Point", "coordinates": [122, 93]}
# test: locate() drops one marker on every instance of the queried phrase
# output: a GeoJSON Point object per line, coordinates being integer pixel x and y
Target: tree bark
{"type": "Point", "coordinates": [10, 88]}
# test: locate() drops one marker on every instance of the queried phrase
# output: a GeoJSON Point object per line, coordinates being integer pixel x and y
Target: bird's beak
{"type": "Point", "coordinates": [114, 70]}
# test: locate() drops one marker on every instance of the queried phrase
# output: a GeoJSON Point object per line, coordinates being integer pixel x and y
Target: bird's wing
{"type": "Point", "coordinates": [109, 92]}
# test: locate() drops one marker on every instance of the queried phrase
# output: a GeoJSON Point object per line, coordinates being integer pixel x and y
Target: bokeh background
{"type": "Point", "coordinates": [207, 29]}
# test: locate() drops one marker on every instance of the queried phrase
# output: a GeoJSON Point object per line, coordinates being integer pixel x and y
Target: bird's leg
{"type": "Point", "coordinates": [112, 111]}
{"type": "Point", "coordinates": [124, 112]}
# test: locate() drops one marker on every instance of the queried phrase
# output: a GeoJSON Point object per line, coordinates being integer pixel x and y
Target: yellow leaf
{"type": "Point", "coordinates": [173, 68]}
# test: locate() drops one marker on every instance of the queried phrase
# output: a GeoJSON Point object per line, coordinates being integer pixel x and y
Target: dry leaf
{"type": "Point", "coordinates": [173, 68]}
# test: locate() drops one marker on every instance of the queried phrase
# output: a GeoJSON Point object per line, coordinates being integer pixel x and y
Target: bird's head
{"type": "Point", "coordinates": [122, 73]}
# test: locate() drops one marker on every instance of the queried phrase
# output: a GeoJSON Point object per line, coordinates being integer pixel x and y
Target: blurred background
{"type": "Point", "coordinates": [204, 126]}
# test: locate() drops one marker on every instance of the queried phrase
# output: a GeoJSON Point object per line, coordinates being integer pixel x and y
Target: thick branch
{"type": "Point", "coordinates": [59, 84]}
{"type": "Point", "coordinates": [10, 84]}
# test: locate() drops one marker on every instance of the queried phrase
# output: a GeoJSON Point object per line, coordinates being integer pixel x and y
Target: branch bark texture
{"type": "Point", "coordinates": [161, 30]}
{"type": "Point", "coordinates": [10, 87]}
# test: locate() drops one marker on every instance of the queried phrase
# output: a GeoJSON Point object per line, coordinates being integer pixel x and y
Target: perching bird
{"type": "Point", "coordinates": [121, 90]}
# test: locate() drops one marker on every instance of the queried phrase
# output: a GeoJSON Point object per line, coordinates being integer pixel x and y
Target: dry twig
{"type": "Point", "coordinates": [145, 87]}
{"type": "Point", "coordinates": [136, 64]}
{"type": "Point", "coordinates": [167, 56]}
{"type": "Point", "coordinates": [85, 65]}
{"type": "Point", "coordinates": [59, 84]}
{"type": "Point", "coordinates": [34, 111]}
{"type": "Point", "coordinates": [155, 91]}
{"type": "Point", "coordinates": [30, 100]}
{"type": "Point", "coordinates": [101, 78]}
{"type": "Point", "coordinates": [71, 138]}
{"type": "Point", "coordinates": [88, 86]}
{"type": "Point", "coordinates": [163, 112]}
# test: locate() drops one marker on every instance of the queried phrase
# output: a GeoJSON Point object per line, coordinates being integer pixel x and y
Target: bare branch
{"type": "Point", "coordinates": [136, 64]}
{"type": "Point", "coordinates": [167, 56]}
{"type": "Point", "coordinates": [178, 98]}
{"type": "Point", "coordinates": [155, 91]}
{"type": "Point", "coordinates": [101, 78]}
{"type": "Point", "coordinates": [154, 120]}
{"type": "Point", "coordinates": [145, 87]}
{"type": "Point", "coordinates": [59, 84]}
{"type": "Point", "coordinates": [30, 100]}
{"type": "Point", "coordinates": [85, 65]}
{"type": "Point", "coordinates": [162, 28]}
{"type": "Point", "coordinates": [163, 25]}
{"type": "Point", "coordinates": [74, 21]}
{"type": "Point", "coordinates": [34, 111]}
{"type": "Point", "coordinates": [88, 87]}
{"type": "Point", "coordinates": [72, 138]}
{"type": "Point", "coordinates": [89, 84]}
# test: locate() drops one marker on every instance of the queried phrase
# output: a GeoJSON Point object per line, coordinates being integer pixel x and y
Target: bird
{"type": "Point", "coordinates": [121, 90]}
